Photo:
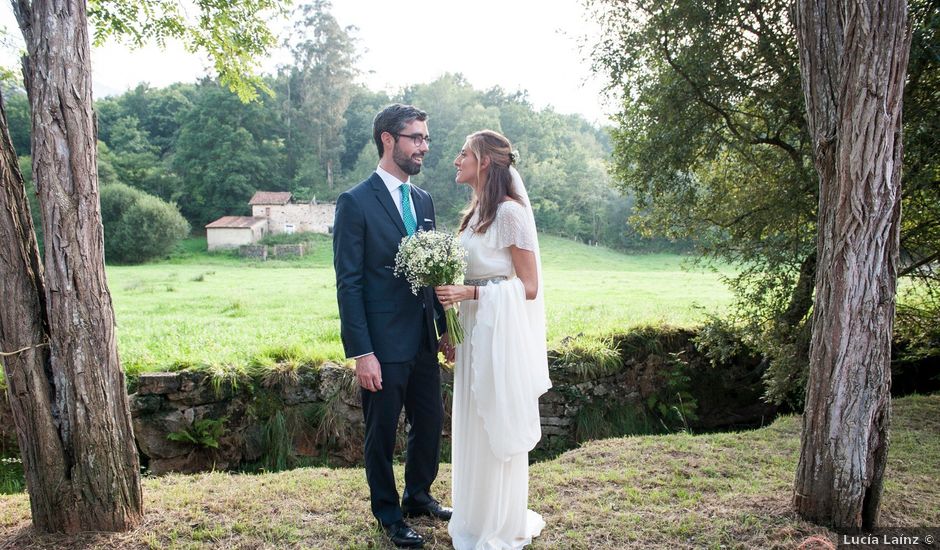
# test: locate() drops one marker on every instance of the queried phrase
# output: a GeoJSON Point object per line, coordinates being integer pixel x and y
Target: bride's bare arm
{"type": "Point", "coordinates": [523, 262]}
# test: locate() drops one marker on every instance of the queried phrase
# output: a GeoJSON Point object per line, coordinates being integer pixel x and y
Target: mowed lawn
{"type": "Point", "coordinates": [216, 309]}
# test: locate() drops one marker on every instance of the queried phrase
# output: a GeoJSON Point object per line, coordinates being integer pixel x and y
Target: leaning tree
{"type": "Point", "coordinates": [65, 384]}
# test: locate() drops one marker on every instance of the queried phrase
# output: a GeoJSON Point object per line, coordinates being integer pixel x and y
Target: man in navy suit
{"type": "Point", "coordinates": [387, 329]}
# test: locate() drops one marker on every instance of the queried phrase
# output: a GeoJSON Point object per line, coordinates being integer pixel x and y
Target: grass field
{"type": "Point", "coordinates": [723, 490]}
{"type": "Point", "coordinates": [217, 309]}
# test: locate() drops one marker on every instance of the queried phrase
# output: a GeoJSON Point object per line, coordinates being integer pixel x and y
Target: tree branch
{"type": "Point", "coordinates": [917, 265]}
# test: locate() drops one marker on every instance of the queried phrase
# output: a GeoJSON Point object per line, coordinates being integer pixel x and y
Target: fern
{"type": "Point", "coordinates": [203, 433]}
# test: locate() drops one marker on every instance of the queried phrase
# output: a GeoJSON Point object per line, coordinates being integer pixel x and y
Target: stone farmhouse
{"type": "Point", "coordinates": [272, 213]}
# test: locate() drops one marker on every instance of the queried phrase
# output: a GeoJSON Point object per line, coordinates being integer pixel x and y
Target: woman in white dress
{"type": "Point", "coordinates": [501, 366]}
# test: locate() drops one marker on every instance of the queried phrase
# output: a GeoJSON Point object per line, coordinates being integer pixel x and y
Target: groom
{"type": "Point", "coordinates": [387, 329]}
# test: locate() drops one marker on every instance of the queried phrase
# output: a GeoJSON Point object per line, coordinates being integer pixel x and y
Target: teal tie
{"type": "Point", "coordinates": [406, 215]}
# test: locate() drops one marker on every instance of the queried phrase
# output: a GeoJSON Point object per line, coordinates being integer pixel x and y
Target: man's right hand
{"type": "Point", "coordinates": [369, 372]}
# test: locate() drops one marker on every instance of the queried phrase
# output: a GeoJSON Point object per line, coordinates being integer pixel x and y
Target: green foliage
{"type": "Point", "coordinates": [224, 154]}
{"type": "Point", "coordinates": [107, 175]}
{"type": "Point", "coordinates": [604, 419]}
{"type": "Point", "coordinates": [158, 112]}
{"type": "Point", "coordinates": [712, 151]}
{"type": "Point", "coordinates": [12, 476]}
{"type": "Point", "coordinates": [588, 357]}
{"type": "Point", "coordinates": [16, 106]}
{"type": "Point", "coordinates": [278, 446]}
{"type": "Point", "coordinates": [235, 34]}
{"type": "Point", "coordinates": [712, 142]}
{"type": "Point", "coordinates": [719, 340]}
{"type": "Point", "coordinates": [138, 227]}
{"type": "Point", "coordinates": [920, 203]}
{"type": "Point", "coordinates": [363, 105]}
{"type": "Point", "coordinates": [916, 326]}
{"type": "Point", "coordinates": [203, 433]}
{"type": "Point", "coordinates": [26, 169]}
{"type": "Point", "coordinates": [197, 145]}
{"type": "Point", "coordinates": [224, 378]}
{"type": "Point", "coordinates": [648, 339]}
{"type": "Point", "coordinates": [319, 87]}
{"type": "Point", "coordinates": [562, 159]}
{"type": "Point", "coordinates": [332, 430]}
{"type": "Point", "coordinates": [675, 405]}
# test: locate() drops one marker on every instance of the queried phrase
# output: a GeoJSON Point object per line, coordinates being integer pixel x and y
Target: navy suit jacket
{"type": "Point", "coordinates": [378, 312]}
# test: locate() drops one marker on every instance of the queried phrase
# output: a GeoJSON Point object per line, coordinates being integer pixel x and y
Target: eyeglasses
{"type": "Point", "coordinates": [418, 139]}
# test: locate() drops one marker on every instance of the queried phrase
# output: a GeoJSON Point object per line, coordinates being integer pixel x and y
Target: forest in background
{"type": "Point", "coordinates": [198, 146]}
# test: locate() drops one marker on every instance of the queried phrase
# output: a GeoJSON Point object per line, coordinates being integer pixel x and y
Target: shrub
{"type": "Point", "coordinates": [138, 227]}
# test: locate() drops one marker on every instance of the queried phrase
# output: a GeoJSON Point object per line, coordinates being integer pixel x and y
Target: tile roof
{"type": "Point", "coordinates": [235, 222]}
{"type": "Point", "coordinates": [270, 197]}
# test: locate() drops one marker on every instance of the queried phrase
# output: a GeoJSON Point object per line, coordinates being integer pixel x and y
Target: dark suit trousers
{"type": "Point", "coordinates": [416, 385]}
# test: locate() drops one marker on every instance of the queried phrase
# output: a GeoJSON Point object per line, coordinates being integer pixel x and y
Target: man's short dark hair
{"type": "Point", "coordinates": [393, 119]}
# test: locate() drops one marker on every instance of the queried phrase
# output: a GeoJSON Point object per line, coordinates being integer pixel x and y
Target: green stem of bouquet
{"type": "Point", "coordinates": [454, 328]}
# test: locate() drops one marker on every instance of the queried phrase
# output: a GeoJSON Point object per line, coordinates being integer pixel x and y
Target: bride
{"type": "Point", "coordinates": [501, 366]}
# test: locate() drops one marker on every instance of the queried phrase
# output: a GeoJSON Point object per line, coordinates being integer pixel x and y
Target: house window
{"type": "Point", "coordinates": [289, 228]}
{"type": "Point", "coordinates": [267, 212]}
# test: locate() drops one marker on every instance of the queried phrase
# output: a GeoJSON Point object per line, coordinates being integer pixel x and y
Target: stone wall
{"type": "Point", "coordinates": [322, 408]}
{"type": "Point", "coordinates": [319, 407]}
{"type": "Point", "coordinates": [254, 251]}
{"type": "Point", "coordinates": [285, 250]}
{"type": "Point", "coordinates": [263, 252]}
{"type": "Point", "coordinates": [303, 217]}
{"type": "Point", "coordinates": [658, 373]}
{"type": "Point", "coordinates": [168, 403]}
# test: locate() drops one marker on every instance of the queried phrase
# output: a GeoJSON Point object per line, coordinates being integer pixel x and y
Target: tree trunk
{"type": "Point", "coordinates": [24, 341]}
{"type": "Point", "coordinates": [85, 476]}
{"type": "Point", "coordinates": [329, 172]}
{"type": "Point", "coordinates": [853, 58]}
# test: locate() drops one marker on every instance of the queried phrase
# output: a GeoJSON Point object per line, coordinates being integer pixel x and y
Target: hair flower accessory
{"type": "Point", "coordinates": [513, 157]}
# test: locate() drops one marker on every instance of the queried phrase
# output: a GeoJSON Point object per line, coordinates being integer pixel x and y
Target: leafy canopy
{"type": "Point", "coordinates": [234, 33]}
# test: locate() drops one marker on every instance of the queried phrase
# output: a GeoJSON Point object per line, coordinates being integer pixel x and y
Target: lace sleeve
{"type": "Point", "coordinates": [511, 228]}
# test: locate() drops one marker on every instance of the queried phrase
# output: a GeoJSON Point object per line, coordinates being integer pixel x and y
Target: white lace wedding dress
{"type": "Point", "coordinates": [501, 369]}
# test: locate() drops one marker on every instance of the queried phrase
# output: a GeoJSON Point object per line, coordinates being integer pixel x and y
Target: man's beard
{"type": "Point", "coordinates": [407, 164]}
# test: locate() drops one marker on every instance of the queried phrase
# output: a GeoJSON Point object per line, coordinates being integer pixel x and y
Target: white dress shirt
{"type": "Point", "coordinates": [393, 184]}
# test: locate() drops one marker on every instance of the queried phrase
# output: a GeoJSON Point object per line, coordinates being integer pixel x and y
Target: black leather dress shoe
{"type": "Point", "coordinates": [403, 536]}
{"type": "Point", "coordinates": [434, 509]}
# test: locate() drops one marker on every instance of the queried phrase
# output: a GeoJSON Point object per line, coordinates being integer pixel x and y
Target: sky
{"type": "Point", "coordinates": [530, 45]}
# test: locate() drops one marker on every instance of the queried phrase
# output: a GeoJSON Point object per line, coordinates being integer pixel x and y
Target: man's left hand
{"type": "Point", "coordinates": [445, 347]}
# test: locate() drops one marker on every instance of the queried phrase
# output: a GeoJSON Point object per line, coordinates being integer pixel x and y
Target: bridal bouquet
{"type": "Point", "coordinates": [433, 258]}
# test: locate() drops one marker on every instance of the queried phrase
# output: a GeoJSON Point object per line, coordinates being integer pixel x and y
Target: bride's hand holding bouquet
{"type": "Point", "coordinates": [436, 259]}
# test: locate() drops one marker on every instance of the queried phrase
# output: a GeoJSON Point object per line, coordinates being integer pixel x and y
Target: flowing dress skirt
{"type": "Point", "coordinates": [489, 495]}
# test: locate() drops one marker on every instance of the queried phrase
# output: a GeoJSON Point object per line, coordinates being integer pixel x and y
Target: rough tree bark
{"type": "Point", "coordinates": [24, 341]}
{"type": "Point", "coordinates": [70, 402]}
{"type": "Point", "coordinates": [853, 59]}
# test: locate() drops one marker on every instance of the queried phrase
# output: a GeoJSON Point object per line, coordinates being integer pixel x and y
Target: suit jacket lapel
{"type": "Point", "coordinates": [417, 200]}
{"type": "Point", "coordinates": [385, 199]}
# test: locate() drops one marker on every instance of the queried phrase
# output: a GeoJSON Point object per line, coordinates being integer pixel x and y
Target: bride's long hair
{"type": "Point", "coordinates": [496, 180]}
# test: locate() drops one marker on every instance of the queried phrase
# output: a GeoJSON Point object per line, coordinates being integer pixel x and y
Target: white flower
{"type": "Point", "coordinates": [430, 258]}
